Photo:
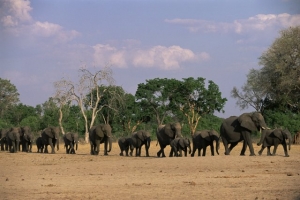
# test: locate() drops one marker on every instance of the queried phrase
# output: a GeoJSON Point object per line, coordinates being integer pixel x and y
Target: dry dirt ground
{"type": "Point", "coordinates": [83, 176]}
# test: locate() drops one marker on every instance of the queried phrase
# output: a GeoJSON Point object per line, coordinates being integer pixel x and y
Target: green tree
{"type": "Point", "coordinates": [9, 96]}
{"type": "Point", "coordinates": [155, 95]}
{"type": "Point", "coordinates": [194, 100]}
{"type": "Point", "coordinates": [281, 71]}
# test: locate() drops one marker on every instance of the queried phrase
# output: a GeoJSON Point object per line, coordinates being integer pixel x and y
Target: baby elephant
{"type": "Point", "coordinates": [180, 144]}
{"type": "Point", "coordinates": [40, 144]}
{"type": "Point", "coordinates": [124, 144]}
{"type": "Point", "coordinates": [71, 140]}
{"type": "Point", "coordinates": [274, 138]}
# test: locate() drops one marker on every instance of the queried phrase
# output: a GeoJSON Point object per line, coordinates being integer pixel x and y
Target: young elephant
{"type": "Point", "coordinates": [274, 138]}
{"type": "Point", "coordinates": [124, 144]}
{"type": "Point", "coordinates": [71, 140]}
{"type": "Point", "coordinates": [180, 144]}
{"type": "Point", "coordinates": [138, 139]}
{"type": "Point", "coordinates": [40, 144]}
{"type": "Point", "coordinates": [203, 139]}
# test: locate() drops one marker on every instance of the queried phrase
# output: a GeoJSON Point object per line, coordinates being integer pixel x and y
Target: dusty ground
{"type": "Point", "coordinates": [83, 176]}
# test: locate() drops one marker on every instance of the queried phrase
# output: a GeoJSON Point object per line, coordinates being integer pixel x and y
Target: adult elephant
{"type": "Point", "coordinates": [138, 139]}
{"type": "Point", "coordinates": [274, 138]}
{"type": "Point", "coordinates": [179, 145]}
{"type": "Point", "coordinates": [100, 134]}
{"type": "Point", "coordinates": [165, 134]}
{"type": "Point", "coordinates": [235, 129]}
{"type": "Point", "coordinates": [3, 141]}
{"type": "Point", "coordinates": [50, 137]}
{"type": "Point", "coordinates": [71, 140]}
{"type": "Point", "coordinates": [26, 139]}
{"type": "Point", "coordinates": [13, 139]}
{"type": "Point", "coordinates": [204, 138]}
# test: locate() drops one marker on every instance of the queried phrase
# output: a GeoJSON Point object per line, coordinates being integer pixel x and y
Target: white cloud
{"type": "Point", "coordinates": [258, 22]}
{"type": "Point", "coordinates": [18, 12]}
{"type": "Point", "coordinates": [17, 20]}
{"type": "Point", "coordinates": [166, 58]}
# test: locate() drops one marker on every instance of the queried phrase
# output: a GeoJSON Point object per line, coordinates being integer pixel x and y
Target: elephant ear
{"type": "Point", "coordinates": [48, 132]}
{"type": "Point", "coordinates": [279, 134]}
{"type": "Point", "coordinates": [206, 135]}
{"type": "Point", "coordinates": [99, 131]}
{"type": "Point", "coordinates": [69, 136]}
{"type": "Point", "coordinates": [246, 121]}
{"type": "Point", "coordinates": [141, 135]}
{"type": "Point", "coordinates": [181, 143]}
{"type": "Point", "coordinates": [168, 131]}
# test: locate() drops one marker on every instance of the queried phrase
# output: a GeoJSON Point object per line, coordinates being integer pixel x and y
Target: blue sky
{"type": "Point", "coordinates": [43, 41]}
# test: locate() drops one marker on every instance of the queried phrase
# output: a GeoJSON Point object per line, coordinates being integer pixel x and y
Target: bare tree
{"type": "Point", "coordinates": [253, 92]}
{"type": "Point", "coordinates": [88, 85]}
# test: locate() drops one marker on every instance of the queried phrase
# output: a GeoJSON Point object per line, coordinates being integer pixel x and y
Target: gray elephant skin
{"type": "Point", "coordinates": [165, 134]}
{"type": "Point", "coordinates": [3, 141]}
{"type": "Point", "coordinates": [13, 139]}
{"type": "Point", "coordinates": [50, 137]}
{"type": "Point", "coordinates": [26, 138]}
{"type": "Point", "coordinates": [235, 129]}
{"type": "Point", "coordinates": [179, 145]}
{"type": "Point", "coordinates": [274, 138]}
{"type": "Point", "coordinates": [71, 140]}
{"type": "Point", "coordinates": [100, 134]}
{"type": "Point", "coordinates": [124, 144]}
{"type": "Point", "coordinates": [204, 138]}
{"type": "Point", "coordinates": [40, 144]}
{"type": "Point", "coordinates": [138, 139]}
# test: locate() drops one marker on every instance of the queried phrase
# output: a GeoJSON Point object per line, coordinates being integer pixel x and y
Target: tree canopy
{"type": "Point", "coordinates": [8, 95]}
{"type": "Point", "coordinates": [277, 84]}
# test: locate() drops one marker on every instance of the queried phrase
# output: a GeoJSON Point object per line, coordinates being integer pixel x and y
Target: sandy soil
{"type": "Point", "coordinates": [83, 176]}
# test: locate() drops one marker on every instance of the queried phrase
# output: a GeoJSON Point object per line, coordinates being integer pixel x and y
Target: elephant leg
{"type": "Point", "coordinates": [92, 149]}
{"type": "Point", "coordinates": [247, 137]}
{"type": "Point", "coordinates": [244, 148]}
{"type": "Point", "coordinates": [204, 151]}
{"type": "Point", "coordinates": [285, 150]}
{"type": "Point", "coordinates": [225, 143]}
{"type": "Point", "coordinates": [275, 149]}
{"type": "Point", "coordinates": [97, 147]}
{"type": "Point", "coordinates": [232, 145]}
{"type": "Point", "coordinates": [173, 151]}
{"type": "Point", "coordinates": [261, 150]}
{"type": "Point", "coordinates": [193, 151]}
{"type": "Point", "coordinates": [199, 151]}
{"type": "Point", "coordinates": [46, 148]}
{"type": "Point", "coordinates": [212, 149]}
{"type": "Point", "coordinates": [161, 151]}
{"type": "Point", "coordinates": [147, 150]}
{"type": "Point", "coordinates": [269, 151]}
{"type": "Point", "coordinates": [185, 152]}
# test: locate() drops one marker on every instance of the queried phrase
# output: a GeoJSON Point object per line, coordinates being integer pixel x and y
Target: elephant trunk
{"type": "Point", "coordinates": [190, 150]}
{"type": "Point", "coordinates": [110, 144]}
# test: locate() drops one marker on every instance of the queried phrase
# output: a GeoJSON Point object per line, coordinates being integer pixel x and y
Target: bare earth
{"type": "Point", "coordinates": [83, 176]}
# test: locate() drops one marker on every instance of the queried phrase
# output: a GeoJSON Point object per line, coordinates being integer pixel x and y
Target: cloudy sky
{"type": "Point", "coordinates": [43, 41]}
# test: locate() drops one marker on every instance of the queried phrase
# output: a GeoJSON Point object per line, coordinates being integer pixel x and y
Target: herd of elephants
{"type": "Point", "coordinates": [232, 130]}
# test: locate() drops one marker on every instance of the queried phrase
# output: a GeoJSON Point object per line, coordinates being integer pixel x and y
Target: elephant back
{"type": "Point", "coordinates": [68, 136]}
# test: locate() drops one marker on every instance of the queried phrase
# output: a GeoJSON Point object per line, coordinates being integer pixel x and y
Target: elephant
{"type": "Point", "coordinates": [235, 129]}
{"type": "Point", "coordinates": [124, 144]}
{"type": "Point", "coordinates": [13, 139]}
{"type": "Point", "coordinates": [26, 139]}
{"type": "Point", "coordinates": [40, 144]}
{"type": "Point", "coordinates": [50, 137]}
{"type": "Point", "coordinates": [296, 139]}
{"type": "Point", "coordinates": [274, 138]}
{"type": "Point", "coordinates": [202, 139]}
{"type": "Point", "coordinates": [98, 134]}
{"type": "Point", "coordinates": [3, 141]}
{"type": "Point", "coordinates": [165, 134]}
{"type": "Point", "coordinates": [180, 144]}
{"type": "Point", "coordinates": [138, 139]}
{"type": "Point", "coordinates": [70, 140]}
